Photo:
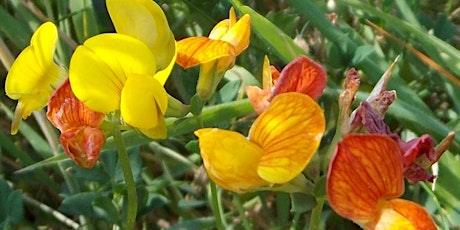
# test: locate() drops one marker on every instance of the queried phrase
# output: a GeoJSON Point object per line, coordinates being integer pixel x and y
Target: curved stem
{"type": "Point", "coordinates": [129, 179]}
{"type": "Point", "coordinates": [316, 214]}
{"type": "Point", "coordinates": [239, 206]}
{"type": "Point", "coordinates": [216, 206]}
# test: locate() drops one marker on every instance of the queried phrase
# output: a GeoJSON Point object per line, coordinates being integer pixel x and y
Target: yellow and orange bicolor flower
{"type": "Point", "coordinates": [281, 142]}
{"type": "Point", "coordinates": [216, 53]}
{"type": "Point", "coordinates": [300, 75]}
{"type": "Point", "coordinates": [111, 72]}
{"type": "Point", "coordinates": [80, 137]}
{"type": "Point", "coordinates": [365, 181]}
{"type": "Point", "coordinates": [34, 75]}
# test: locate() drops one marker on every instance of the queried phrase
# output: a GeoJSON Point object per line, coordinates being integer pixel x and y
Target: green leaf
{"type": "Point", "coordinates": [16, 31]}
{"type": "Point", "coordinates": [79, 204]}
{"type": "Point", "coordinates": [84, 19]}
{"type": "Point", "coordinates": [446, 186]}
{"type": "Point", "coordinates": [105, 209]}
{"type": "Point", "coordinates": [50, 161]}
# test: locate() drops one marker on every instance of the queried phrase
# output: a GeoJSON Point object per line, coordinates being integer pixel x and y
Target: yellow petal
{"type": "Point", "coordinates": [99, 68]}
{"type": "Point", "coordinates": [144, 20]}
{"type": "Point", "coordinates": [230, 159]}
{"type": "Point", "coordinates": [238, 35]}
{"type": "Point", "coordinates": [289, 132]}
{"type": "Point", "coordinates": [159, 132]}
{"type": "Point", "coordinates": [219, 30]}
{"type": "Point", "coordinates": [365, 169]}
{"type": "Point", "coordinates": [33, 75]}
{"type": "Point", "coordinates": [402, 214]}
{"type": "Point", "coordinates": [142, 99]}
{"type": "Point", "coordinates": [163, 75]}
{"type": "Point", "coordinates": [196, 50]}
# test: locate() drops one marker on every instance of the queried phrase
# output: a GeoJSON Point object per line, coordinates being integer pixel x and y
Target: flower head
{"type": "Point", "coordinates": [281, 142]}
{"type": "Point", "coordinates": [34, 75]}
{"type": "Point", "coordinates": [216, 53]}
{"type": "Point", "coordinates": [301, 75]}
{"type": "Point", "coordinates": [81, 137]}
{"type": "Point", "coordinates": [365, 179]}
{"type": "Point", "coordinates": [112, 72]}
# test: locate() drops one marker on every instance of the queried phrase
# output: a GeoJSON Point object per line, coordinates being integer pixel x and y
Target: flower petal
{"type": "Point", "coordinates": [142, 99]}
{"type": "Point", "coordinates": [402, 214]}
{"type": "Point", "coordinates": [230, 159]}
{"type": "Point", "coordinates": [196, 50]}
{"type": "Point", "coordinates": [65, 111]}
{"type": "Point", "coordinates": [144, 20]}
{"type": "Point", "coordinates": [159, 131]}
{"type": "Point", "coordinates": [83, 144]}
{"type": "Point", "coordinates": [365, 169]}
{"type": "Point", "coordinates": [33, 75]}
{"type": "Point", "coordinates": [99, 68]}
{"type": "Point", "coordinates": [238, 35]}
{"type": "Point", "coordinates": [289, 132]}
{"type": "Point", "coordinates": [258, 98]}
{"type": "Point", "coordinates": [302, 75]}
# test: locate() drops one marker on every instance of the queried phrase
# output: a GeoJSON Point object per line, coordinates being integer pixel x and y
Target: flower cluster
{"type": "Point", "coordinates": [120, 73]}
{"type": "Point", "coordinates": [118, 78]}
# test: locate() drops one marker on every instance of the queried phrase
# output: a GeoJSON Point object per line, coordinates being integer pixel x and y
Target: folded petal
{"type": "Point", "coordinates": [144, 20]}
{"type": "Point", "coordinates": [99, 68]}
{"type": "Point", "coordinates": [196, 50]}
{"type": "Point", "coordinates": [230, 159]}
{"type": "Point", "coordinates": [289, 132]}
{"type": "Point", "coordinates": [366, 169]}
{"type": "Point", "coordinates": [83, 144]}
{"type": "Point", "coordinates": [238, 35]}
{"type": "Point", "coordinates": [65, 111]}
{"type": "Point", "coordinates": [142, 99]}
{"type": "Point", "coordinates": [258, 98]}
{"type": "Point", "coordinates": [302, 75]}
{"type": "Point", "coordinates": [33, 75]}
{"type": "Point", "coordinates": [159, 131]}
{"type": "Point", "coordinates": [402, 214]}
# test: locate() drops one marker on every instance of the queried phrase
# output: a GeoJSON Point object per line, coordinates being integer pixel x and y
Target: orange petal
{"type": "Point", "coordinates": [83, 144]}
{"type": "Point", "coordinates": [258, 98]}
{"type": "Point", "coordinates": [81, 137]}
{"type": "Point", "coordinates": [402, 214]}
{"type": "Point", "coordinates": [230, 159]}
{"type": "Point", "coordinates": [302, 75]}
{"type": "Point", "coordinates": [196, 50]}
{"type": "Point", "coordinates": [65, 111]}
{"type": "Point", "coordinates": [365, 169]}
{"type": "Point", "coordinates": [289, 132]}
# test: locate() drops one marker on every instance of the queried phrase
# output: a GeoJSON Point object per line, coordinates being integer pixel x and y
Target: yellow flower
{"type": "Point", "coordinates": [281, 142]}
{"type": "Point", "coordinates": [145, 20]}
{"type": "Point", "coordinates": [34, 75]}
{"type": "Point", "coordinates": [112, 72]}
{"type": "Point", "coordinates": [215, 53]}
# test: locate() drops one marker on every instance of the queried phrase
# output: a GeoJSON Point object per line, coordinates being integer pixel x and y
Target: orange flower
{"type": "Point", "coordinates": [301, 75]}
{"type": "Point", "coordinates": [281, 142]}
{"type": "Point", "coordinates": [81, 137]}
{"type": "Point", "coordinates": [364, 182]}
{"type": "Point", "coordinates": [215, 54]}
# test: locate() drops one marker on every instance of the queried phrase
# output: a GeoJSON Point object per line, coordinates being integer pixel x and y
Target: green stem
{"type": "Point", "coordinates": [239, 206]}
{"type": "Point", "coordinates": [316, 214]}
{"type": "Point", "coordinates": [216, 206]}
{"type": "Point", "coordinates": [129, 179]}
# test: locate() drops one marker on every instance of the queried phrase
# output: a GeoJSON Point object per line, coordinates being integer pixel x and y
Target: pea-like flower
{"type": "Point", "coordinates": [80, 137]}
{"type": "Point", "coordinates": [216, 53]}
{"type": "Point", "coordinates": [34, 75]}
{"type": "Point", "coordinates": [111, 72]}
{"type": "Point", "coordinates": [281, 142]}
{"type": "Point", "coordinates": [302, 75]}
{"type": "Point", "coordinates": [365, 181]}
